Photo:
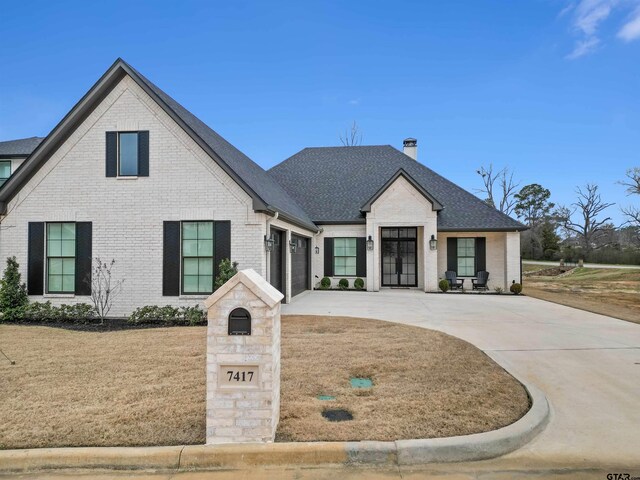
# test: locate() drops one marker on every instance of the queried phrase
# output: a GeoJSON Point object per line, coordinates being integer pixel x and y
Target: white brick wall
{"type": "Point", "coordinates": [503, 257]}
{"type": "Point", "coordinates": [317, 260]}
{"type": "Point", "coordinates": [401, 205]}
{"type": "Point", "coordinates": [128, 215]}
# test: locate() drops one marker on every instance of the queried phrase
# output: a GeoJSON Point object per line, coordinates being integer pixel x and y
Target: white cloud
{"type": "Point", "coordinates": [631, 30]}
{"type": "Point", "coordinates": [587, 16]}
{"type": "Point", "coordinates": [355, 101]}
{"type": "Point", "coordinates": [590, 13]}
{"type": "Point", "coordinates": [566, 9]}
{"type": "Point", "coordinates": [583, 47]}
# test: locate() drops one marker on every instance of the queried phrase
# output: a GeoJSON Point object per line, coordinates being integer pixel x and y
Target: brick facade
{"type": "Point", "coordinates": [128, 214]}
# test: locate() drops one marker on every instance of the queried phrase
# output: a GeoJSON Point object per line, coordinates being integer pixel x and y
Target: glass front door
{"type": "Point", "coordinates": [399, 257]}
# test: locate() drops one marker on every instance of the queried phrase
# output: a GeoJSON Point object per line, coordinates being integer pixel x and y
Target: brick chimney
{"type": "Point", "coordinates": [410, 147]}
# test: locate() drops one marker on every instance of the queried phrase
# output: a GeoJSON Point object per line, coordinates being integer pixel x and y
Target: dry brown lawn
{"type": "Point", "coordinates": [426, 383]}
{"type": "Point", "coordinates": [133, 387]}
{"type": "Point", "coordinates": [608, 291]}
{"type": "Point", "coordinates": [146, 387]}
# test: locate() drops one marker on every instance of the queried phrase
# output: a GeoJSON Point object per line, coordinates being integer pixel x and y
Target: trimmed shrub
{"type": "Point", "coordinates": [325, 283]}
{"type": "Point", "coordinates": [168, 315]}
{"type": "Point", "coordinates": [358, 283]}
{"type": "Point", "coordinates": [343, 284]}
{"type": "Point", "coordinates": [227, 270]}
{"type": "Point", "coordinates": [443, 285]}
{"type": "Point", "coordinates": [515, 288]}
{"type": "Point", "coordinates": [13, 293]}
{"type": "Point", "coordinates": [44, 312]}
{"type": "Point", "coordinates": [193, 315]}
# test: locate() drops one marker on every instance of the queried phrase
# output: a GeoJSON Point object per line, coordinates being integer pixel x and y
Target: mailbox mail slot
{"type": "Point", "coordinates": [239, 322]}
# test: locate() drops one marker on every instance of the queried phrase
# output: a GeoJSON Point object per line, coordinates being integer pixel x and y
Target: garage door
{"type": "Point", "coordinates": [300, 266]}
{"type": "Point", "coordinates": [277, 257]}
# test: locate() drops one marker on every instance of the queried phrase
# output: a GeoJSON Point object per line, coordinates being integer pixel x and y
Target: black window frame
{"type": "Point", "coordinates": [355, 239]}
{"type": "Point", "coordinates": [213, 257]}
{"type": "Point", "coordinates": [2, 179]}
{"type": "Point", "coordinates": [128, 132]}
{"type": "Point", "coordinates": [474, 256]}
{"type": "Point", "coordinates": [47, 257]}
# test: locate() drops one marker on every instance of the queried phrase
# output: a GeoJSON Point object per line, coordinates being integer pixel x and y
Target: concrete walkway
{"type": "Point", "coordinates": [588, 365]}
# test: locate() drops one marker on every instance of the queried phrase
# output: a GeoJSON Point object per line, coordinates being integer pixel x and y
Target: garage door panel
{"type": "Point", "coordinates": [300, 265]}
{"type": "Point", "coordinates": [277, 260]}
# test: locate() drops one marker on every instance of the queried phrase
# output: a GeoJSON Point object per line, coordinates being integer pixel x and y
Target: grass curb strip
{"type": "Point", "coordinates": [193, 457]}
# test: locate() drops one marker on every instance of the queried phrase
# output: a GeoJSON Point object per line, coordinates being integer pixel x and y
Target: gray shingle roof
{"type": "Point", "coordinates": [333, 183]}
{"type": "Point", "coordinates": [246, 169]}
{"type": "Point", "coordinates": [21, 147]}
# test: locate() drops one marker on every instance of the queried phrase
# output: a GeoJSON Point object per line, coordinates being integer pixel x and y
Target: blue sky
{"type": "Point", "coordinates": [548, 88]}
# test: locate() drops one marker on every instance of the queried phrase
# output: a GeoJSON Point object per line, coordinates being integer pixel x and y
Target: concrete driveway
{"type": "Point", "coordinates": [588, 365]}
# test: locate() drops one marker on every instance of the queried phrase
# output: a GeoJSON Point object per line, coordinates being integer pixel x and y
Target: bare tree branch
{"type": "Point", "coordinates": [506, 202]}
{"type": "Point", "coordinates": [352, 137]}
{"type": "Point", "coordinates": [589, 205]}
{"type": "Point", "coordinates": [633, 184]}
{"type": "Point", "coordinates": [632, 213]}
{"type": "Point", "coordinates": [102, 292]}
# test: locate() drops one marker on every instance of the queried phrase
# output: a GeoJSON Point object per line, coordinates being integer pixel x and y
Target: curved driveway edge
{"type": "Point", "coordinates": [478, 446]}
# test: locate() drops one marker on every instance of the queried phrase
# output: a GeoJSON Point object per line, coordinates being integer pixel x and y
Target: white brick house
{"type": "Point", "coordinates": [131, 175]}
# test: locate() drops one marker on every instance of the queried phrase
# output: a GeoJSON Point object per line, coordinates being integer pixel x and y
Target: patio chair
{"type": "Point", "coordinates": [455, 283]}
{"type": "Point", "coordinates": [480, 283]}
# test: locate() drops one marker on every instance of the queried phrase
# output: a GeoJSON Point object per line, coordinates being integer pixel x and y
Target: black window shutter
{"type": "Point", "coordinates": [452, 254]}
{"type": "Point", "coordinates": [83, 258]}
{"type": "Point", "coordinates": [171, 260]}
{"type": "Point", "coordinates": [35, 262]}
{"type": "Point", "coordinates": [328, 257]}
{"type": "Point", "coordinates": [143, 153]}
{"type": "Point", "coordinates": [481, 254]}
{"type": "Point", "coordinates": [361, 256]}
{"type": "Point", "coordinates": [112, 154]}
{"type": "Point", "coordinates": [221, 243]}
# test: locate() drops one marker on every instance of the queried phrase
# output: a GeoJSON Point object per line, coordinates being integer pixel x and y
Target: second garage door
{"type": "Point", "coordinates": [300, 265]}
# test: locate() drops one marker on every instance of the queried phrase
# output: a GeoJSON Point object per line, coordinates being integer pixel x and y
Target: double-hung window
{"type": "Point", "coordinates": [466, 257]}
{"type": "Point", "coordinates": [344, 257]}
{"type": "Point", "coordinates": [61, 257]}
{"type": "Point", "coordinates": [127, 154]}
{"type": "Point", "coordinates": [197, 257]}
{"type": "Point", "coordinates": [5, 171]}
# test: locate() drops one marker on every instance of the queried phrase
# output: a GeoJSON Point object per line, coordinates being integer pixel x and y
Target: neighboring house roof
{"type": "Point", "coordinates": [266, 193]}
{"type": "Point", "coordinates": [19, 148]}
{"type": "Point", "coordinates": [334, 185]}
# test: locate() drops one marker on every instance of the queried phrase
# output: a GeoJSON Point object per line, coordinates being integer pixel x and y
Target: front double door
{"type": "Point", "coordinates": [399, 257]}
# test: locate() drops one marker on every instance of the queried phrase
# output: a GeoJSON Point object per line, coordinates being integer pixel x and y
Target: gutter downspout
{"type": "Point", "coordinates": [267, 254]}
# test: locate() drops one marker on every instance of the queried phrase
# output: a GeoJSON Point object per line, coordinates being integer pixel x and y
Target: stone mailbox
{"type": "Point", "coordinates": [243, 360]}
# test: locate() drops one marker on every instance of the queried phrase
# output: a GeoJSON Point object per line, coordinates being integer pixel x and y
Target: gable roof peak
{"type": "Point", "coordinates": [267, 195]}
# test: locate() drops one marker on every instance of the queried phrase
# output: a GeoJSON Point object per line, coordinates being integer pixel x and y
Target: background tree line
{"type": "Point", "coordinates": [581, 230]}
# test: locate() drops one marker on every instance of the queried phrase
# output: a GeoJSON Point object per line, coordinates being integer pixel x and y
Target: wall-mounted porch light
{"type": "Point", "coordinates": [369, 243]}
{"type": "Point", "coordinates": [293, 246]}
{"type": "Point", "coordinates": [269, 242]}
{"type": "Point", "coordinates": [433, 243]}
{"type": "Point", "coordinates": [317, 250]}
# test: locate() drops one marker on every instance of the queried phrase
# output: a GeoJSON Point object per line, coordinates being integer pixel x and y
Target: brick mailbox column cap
{"type": "Point", "coordinates": [254, 282]}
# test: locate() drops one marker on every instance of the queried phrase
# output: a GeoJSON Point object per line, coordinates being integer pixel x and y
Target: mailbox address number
{"type": "Point", "coordinates": [238, 376]}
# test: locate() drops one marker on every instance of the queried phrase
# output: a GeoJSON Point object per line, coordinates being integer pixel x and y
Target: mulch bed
{"type": "Point", "coordinates": [94, 325]}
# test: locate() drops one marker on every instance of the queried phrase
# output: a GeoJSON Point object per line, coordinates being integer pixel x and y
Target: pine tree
{"type": "Point", "coordinates": [13, 294]}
